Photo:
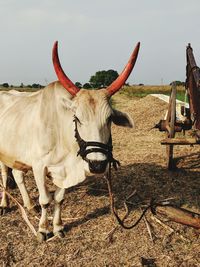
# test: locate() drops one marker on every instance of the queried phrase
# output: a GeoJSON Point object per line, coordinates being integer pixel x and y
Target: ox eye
{"type": "Point", "coordinates": [109, 119]}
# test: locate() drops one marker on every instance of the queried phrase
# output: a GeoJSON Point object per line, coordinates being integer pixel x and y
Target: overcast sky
{"type": "Point", "coordinates": [97, 35]}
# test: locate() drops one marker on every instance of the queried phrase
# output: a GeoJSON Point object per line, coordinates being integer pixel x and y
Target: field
{"type": "Point", "coordinates": [86, 211]}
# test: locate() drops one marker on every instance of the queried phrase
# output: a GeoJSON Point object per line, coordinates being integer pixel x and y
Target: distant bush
{"type": "Point", "coordinates": [5, 85]}
{"type": "Point", "coordinates": [78, 84]}
{"type": "Point", "coordinates": [103, 78]}
{"type": "Point", "coordinates": [87, 86]}
{"type": "Point", "coordinates": [37, 85]}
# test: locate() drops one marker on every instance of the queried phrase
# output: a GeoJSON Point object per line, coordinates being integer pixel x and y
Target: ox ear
{"type": "Point", "coordinates": [122, 119]}
{"type": "Point", "coordinates": [68, 103]}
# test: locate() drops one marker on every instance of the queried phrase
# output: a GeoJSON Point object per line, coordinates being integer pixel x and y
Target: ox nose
{"type": "Point", "coordinates": [97, 166]}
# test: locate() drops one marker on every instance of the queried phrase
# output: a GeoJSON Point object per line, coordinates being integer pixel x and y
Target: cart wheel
{"type": "Point", "coordinates": [171, 119]}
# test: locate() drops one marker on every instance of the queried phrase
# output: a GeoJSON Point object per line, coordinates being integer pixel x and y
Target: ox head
{"type": "Point", "coordinates": [93, 115]}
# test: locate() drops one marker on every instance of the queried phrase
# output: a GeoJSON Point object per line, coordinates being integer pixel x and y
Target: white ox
{"type": "Point", "coordinates": [61, 132]}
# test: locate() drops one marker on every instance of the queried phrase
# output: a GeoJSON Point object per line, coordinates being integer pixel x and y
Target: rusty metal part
{"type": "Point", "coordinates": [179, 215]}
{"type": "Point", "coordinates": [163, 126]}
{"type": "Point", "coordinates": [193, 68]}
{"type": "Point", "coordinates": [193, 86]}
{"type": "Point", "coordinates": [196, 134]}
{"type": "Point", "coordinates": [190, 116]}
{"type": "Point", "coordinates": [179, 126]}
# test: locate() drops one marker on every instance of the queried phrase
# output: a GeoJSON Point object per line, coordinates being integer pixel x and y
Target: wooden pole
{"type": "Point", "coordinates": [179, 141]}
{"type": "Point", "coordinates": [180, 215]}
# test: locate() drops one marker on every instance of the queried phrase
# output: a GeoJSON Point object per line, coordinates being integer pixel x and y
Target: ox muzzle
{"type": "Point", "coordinates": [87, 147]}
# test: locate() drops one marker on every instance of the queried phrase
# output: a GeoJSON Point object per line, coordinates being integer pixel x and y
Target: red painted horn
{"type": "Point", "coordinates": [62, 77]}
{"type": "Point", "coordinates": [121, 79]}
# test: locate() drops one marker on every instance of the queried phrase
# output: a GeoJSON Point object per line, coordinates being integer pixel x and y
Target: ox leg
{"type": "Point", "coordinates": [4, 199]}
{"type": "Point", "coordinates": [57, 221]}
{"type": "Point", "coordinates": [19, 178]}
{"type": "Point", "coordinates": [44, 200]}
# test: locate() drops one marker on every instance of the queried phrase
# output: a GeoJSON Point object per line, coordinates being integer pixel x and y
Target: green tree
{"type": "Point", "coordinates": [5, 85]}
{"type": "Point", "coordinates": [87, 86]}
{"type": "Point", "coordinates": [103, 78]}
{"type": "Point", "coordinates": [78, 84]}
{"type": "Point", "coordinates": [37, 85]}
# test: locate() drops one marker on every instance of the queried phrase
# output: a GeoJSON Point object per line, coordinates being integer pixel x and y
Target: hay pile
{"type": "Point", "coordinates": [86, 208]}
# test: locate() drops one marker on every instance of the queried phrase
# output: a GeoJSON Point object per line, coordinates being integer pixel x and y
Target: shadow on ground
{"type": "Point", "coordinates": [151, 181]}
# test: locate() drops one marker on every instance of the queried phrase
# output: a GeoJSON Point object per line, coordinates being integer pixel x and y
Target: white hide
{"type": "Point", "coordinates": [37, 132]}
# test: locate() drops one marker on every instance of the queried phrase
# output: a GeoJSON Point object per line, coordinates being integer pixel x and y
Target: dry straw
{"type": "Point", "coordinates": [22, 211]}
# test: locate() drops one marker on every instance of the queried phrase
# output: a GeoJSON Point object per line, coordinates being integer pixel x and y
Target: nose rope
{"type": "Point", "coordinates": [120, 221]}
{"type": "Point", "coordinates": [105, 149]}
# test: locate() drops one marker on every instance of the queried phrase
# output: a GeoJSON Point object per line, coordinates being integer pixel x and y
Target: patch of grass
{"type": "Point", "coordinates": [144, 90]}
{"type": "Point", "coordinates": [181, 96]}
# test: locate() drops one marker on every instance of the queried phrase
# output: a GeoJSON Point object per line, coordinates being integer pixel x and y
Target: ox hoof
{"type": "Point", "coordinates": [41, 237]}
{"type": "Point", "coordinates": [60, 234]}
{"type": "Point", "coordinates": [34, 209]}
{"type": "Point", "coordinates": [4, 210]}
{"type": "Point", "coordinates": [11, 182]}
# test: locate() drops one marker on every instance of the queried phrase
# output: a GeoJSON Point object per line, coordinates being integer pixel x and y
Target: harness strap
{"type": "Point", "coordinates": [105, 149]}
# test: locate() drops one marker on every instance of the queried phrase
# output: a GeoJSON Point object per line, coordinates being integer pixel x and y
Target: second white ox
{"type": "Point", "coordinates": [62, 132]}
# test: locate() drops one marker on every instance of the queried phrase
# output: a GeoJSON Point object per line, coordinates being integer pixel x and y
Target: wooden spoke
{"type": "Point", "coordinates": [171, 119]}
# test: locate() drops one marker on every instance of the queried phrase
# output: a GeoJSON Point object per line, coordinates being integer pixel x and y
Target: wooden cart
{"type": "Point", "coordinates": [190, 117]}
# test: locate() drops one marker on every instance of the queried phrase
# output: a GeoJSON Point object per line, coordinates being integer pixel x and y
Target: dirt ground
{"type": "Point", "coordinates": [86, 212]}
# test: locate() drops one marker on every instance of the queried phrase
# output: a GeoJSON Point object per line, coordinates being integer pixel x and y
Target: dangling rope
{"type": "Point", "coordinates": [114, 211]}
{"type": "Point", "coordinates": [106, 149]}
